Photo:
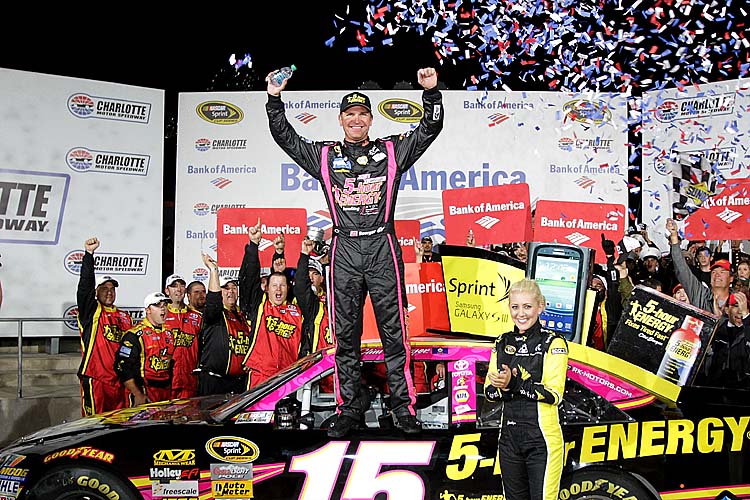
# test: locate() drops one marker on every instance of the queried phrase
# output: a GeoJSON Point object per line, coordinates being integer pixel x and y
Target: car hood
{"type": "Point", "coordinates": [176, 411]}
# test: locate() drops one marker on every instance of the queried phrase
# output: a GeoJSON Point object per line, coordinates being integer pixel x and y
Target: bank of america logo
{"type": "Point", "coordinates": [585, 182]}
{"type": "Point", "coordinates": [487, 222]}
{"type": "Point", "coordinates": [496, 119]}
{"type": "Point", "coordinates": [305, 117]}
{"type": "Point", "coordinates": [264, 243]}
{"type": "Point", "coordinates": [577, 238]}
{"type": "Point", "coordinates": [221, 182]}
{"type": "Point", "coordinates": [728, 216]}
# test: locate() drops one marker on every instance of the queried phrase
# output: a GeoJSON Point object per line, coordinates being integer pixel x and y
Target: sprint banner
{"type": "Point", "coordinates": [477, 285]}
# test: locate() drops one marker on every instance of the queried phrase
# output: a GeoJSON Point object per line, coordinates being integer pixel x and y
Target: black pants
{"type": "Point", "coordinates": [370, 264]}
{"type": "Point", "coordinates": [531, 464]}
{"type": "Point", "coordinates": [209, 384]}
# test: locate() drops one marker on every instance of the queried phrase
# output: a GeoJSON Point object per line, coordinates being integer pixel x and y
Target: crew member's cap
{"type": "Point", "coordinates": [650, 251]}
{"type": "Point", "coordinates": [225, 280]}
{"type": "Point", "coordinates": [153, 299]}
{"type": "Point", "coordinates": [316, 266]}
{"type": "Point", "coordinates": [103, 279]}
{"type": "Point", "coordinates": [426, 238]}
{"type": "Point", "coordinates": [722, 263]}
{"type": "Point", "coordinates": [732, 301]}
{"type": "Point", "coordinates": [172, 279]}
{"type": "Point", "coordinates": [355, 99]}
{"type": "Point", "coordinates": [677, 287]}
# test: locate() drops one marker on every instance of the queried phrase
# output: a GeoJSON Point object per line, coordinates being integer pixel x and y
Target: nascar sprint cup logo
{"type": "Point", "coordinates": [219, 112]}
{"type": "Point", "coordinates": [401, 110]}
{"type": "Point", "coordinates": [32, 206]}
{"type": "Point", "coordinates": [109, 263]}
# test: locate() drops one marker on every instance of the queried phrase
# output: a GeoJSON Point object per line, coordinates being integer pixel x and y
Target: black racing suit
{"type": "Point", "coordinates": [361, 183]}
{"type": "Point", "coordinates": [531, 443]}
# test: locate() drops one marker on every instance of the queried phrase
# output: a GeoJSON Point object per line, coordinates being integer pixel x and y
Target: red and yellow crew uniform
{"type": "Point", "coordinates": [184, 323]}
{"type": "Point", "coordinates": [276, 341]}
{"type": "Point", "coordinates": [101, 330]}
{"type": "Point", "coordinates": [224, 343]}
{"type": "Point", "coordinates": [145, 355]}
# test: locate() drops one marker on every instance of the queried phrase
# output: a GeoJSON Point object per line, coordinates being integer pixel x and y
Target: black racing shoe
{"type": "Point", "coordinates": [342, 426]}
{"type": "Point", "coordinates": [408, 424]}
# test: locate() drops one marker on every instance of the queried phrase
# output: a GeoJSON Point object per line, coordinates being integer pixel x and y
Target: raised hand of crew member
{"type": "Point", "coordinates": [91, 244]}
{"type": "Point", "coordinates": [608, 246]}
{"type": "Point", "coordinates": [254, 233]}
{"type": "Point", "coordinates": [209, 262]}
{"type": "Point", "coordinates": [272, 88]}
{"type": "Point", "coordinates": [470, 239]}
{"type": "Point", "coordinates": [279, 243]}
{"type": "Point", "coordinates": [419, 251]}
{"type": "Point", "coordinates": [308, 246]}
{"type": "Point", "coordinates": [427, 78]}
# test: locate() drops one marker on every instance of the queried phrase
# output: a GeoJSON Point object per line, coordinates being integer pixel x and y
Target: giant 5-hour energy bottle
{"type": "Point", "coordinates": [682, 350]}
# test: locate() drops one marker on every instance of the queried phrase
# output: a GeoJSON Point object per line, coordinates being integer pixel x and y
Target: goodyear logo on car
{"type": "Point", "coordinates": [220, 112]}
{"type": "Point", "coordinates": [174, 457]}
{"type": "Point", "coordinates": [232, 449]}
{"type": "Point", "coordinates": [401, 110]}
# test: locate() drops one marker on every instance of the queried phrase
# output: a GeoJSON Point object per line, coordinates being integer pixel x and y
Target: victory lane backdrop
{"type": "Point", "coordinates": [81, 158]}
{"type": "Point", "coordinates": [564, 147]}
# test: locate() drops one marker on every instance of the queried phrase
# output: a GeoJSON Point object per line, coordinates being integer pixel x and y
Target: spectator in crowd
{"type": "Point", "coordinates": [196, 294]}
{"type": "Point", "coordinates": [101, 326]}
{"type": "Point", "coordinates": [711, 299]}
{"type": "Point", "coordinates": [652, 283]}
{"type": "Point", "coordinates": [652, 269]}
{"type": "Point", "coordinates": [278, 336]}
{"type": "Point", "coordinates": [702, 267]}
{"type": "Point", "coordinates": [225, 337]}
{"type": "Point", "coordinates": [608, 308]}
{"type": "Point", "coordinates": [144, 359]}
{"type": "Point", "coordinates": [743, 273]}
{"type": "Point", "coordinates": [365, 260]}
{"type": "Point", "coordinates": [184, 325]}
{"type": "Point", "coordinates": [678, 292]}
{"type": "Point", "coordinates": [625, 266]}
{"type": "Point", "coordinates": [520, 251]}
{"type": "Point", "coordinates": [427, 251]}
{"type": "Point", "coordinates": [311, 296]}
{"type": "Point", "coordinates": [728, 359]}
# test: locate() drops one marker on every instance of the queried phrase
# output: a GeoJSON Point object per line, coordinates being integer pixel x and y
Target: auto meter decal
{"type": "Point", "coordinates": [232, 449]}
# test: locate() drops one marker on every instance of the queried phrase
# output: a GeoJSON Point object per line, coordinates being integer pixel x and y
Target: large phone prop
{"type": "Point", "coordinates": [562, 272]}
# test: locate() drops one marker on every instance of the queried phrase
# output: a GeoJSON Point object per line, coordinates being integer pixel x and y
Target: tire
{"type": "Point", "coordinates": [598, 483]}
{"type": "Point", "coordinates": [74, 483]}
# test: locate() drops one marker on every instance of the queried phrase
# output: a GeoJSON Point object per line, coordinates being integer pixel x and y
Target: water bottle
{"type": "Point", "coordinates": [278, 76]}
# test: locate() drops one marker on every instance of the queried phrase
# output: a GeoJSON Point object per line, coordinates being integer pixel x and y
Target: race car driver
{"type": "Point", "coordinates": [101, 326]}
{"type": "Point", "coordinates": [278, 339]}
{"type": "Point", "coordinates": [144, 359]}
{"type": "Point", "coordinates": [360, 178]}
{"type": "Point", "coordinates": [527, 371]}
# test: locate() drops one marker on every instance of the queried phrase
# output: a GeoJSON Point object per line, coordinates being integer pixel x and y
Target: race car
{"type": "Point", "coordinates": [628, 435]}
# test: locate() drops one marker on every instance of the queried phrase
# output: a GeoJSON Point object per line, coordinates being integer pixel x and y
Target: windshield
{"type": "Point", "coordinates": [247, 398]}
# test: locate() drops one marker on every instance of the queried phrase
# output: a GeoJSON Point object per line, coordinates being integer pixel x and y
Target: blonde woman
{"type": "Point", "coordinates": [527, 373]}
